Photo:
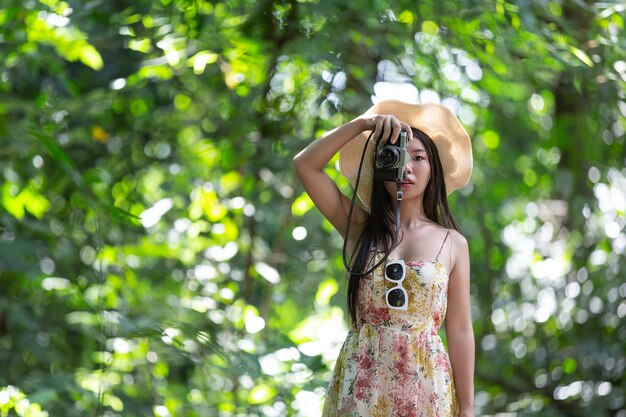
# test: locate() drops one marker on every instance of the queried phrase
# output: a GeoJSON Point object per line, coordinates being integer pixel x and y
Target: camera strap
{"type": "Point", "coordinates": [399, 196]}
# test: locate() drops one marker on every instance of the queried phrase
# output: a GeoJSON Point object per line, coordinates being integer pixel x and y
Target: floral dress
{"type": "Point", "coordinates": [394, 363]}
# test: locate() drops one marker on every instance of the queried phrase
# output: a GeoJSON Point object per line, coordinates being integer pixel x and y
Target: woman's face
{"type": "Point", "coordinates": [416, 172]}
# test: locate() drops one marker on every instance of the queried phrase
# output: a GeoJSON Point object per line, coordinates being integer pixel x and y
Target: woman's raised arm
{"type": "Point", "coordinates": [310, 164]}
{"type": "Point", "coordinates": [312, 160]}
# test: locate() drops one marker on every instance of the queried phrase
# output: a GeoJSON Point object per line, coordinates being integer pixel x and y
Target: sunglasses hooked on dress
{"type": "Point", "coordinates": [396, 297]}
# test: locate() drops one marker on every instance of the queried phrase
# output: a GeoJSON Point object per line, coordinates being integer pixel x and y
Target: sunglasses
{"type": "Point", "coordinates": [397, 297]}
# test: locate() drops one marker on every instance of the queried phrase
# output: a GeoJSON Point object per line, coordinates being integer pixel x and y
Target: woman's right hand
{"type": "Point", "coordinates": [387, 124]}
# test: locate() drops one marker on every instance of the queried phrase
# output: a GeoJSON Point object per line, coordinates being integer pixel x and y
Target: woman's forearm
{"type": "Point", "coordinates": [317, 154]}
{"type": "Point", "coordinates": [461, 348]}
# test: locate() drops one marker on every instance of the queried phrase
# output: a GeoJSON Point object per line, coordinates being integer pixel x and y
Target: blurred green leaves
{"type": "Point", "coordinates": [14, 402]}
{"type": "Point", "coordinates": [16, 202]}
{"type": "Point", "coordinates": [157, 256]}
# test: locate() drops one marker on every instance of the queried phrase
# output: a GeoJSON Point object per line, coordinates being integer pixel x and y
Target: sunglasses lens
{"type": "Point", "coordinates": [394, 272]}
{"type": "Point", "coordinates": [396, 297]}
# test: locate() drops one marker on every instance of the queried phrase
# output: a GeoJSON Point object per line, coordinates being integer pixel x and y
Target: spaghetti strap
{"type": "Point", "coordinates": [441, 248]}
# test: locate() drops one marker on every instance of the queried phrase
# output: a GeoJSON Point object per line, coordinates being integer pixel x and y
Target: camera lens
{"type": "Point", "coordinates": [387, 157]}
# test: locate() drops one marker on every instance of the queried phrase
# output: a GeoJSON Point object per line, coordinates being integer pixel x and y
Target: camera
{"type": "Point", "coordinates": [391, 158]}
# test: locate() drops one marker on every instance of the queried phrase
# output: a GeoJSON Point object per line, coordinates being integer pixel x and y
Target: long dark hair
{"type": "Point", "coordinates": [379, 228]}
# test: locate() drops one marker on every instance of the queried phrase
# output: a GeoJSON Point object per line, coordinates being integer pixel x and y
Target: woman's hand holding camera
{"type": "Point", "coordinates": [388, 125]}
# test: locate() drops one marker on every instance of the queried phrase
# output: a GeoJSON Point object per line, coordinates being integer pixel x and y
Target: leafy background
{"type": "Point", "coordinates": [158, 257]}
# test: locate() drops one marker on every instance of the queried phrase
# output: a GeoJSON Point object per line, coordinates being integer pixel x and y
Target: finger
{"type": "Point", "coordinates": [395, 133]}
{"type": "Point", "coordinates": [387, 129]}
{"type": "Point", "coordinates": [408, 130]}
{"type": "Point", "coordinates": [379, 126]}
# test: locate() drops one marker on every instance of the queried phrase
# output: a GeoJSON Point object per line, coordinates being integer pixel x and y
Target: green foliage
{"type": "Point", "coordinates": [14, 402]}
{"type": "Point", "coordinates": [157, 256]}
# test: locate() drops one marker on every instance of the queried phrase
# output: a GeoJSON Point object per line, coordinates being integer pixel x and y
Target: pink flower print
{"type": "Point", "coordinates": [364, 360]}
{"type": "Point", "coordinates": [441, 361]}
{"type": "Point", "coordinates": [396, 396]}
{"type": "Point", "coordinates": [366, 312]}
{"type": "Point", "coordinates": [436, 320]}
{"type": "Point", "coordinates": [432, 398]}
{"type": "Point", "coordinates": [380, 314]}
{"type": "Point", "coordinates": [421, 400]}
{"type": "Point", "coordinates": [403, 371]}
{"type": "Point", "coordinates": [400, 368]}
{"type": "Point", "coordinates": [422, 338]}
{"type": "Point", "coordinates": [362, 386]}
{"type": "Point", "coordinates": [408, 409]}
{"type": "Point", "coordinates": [400, 347]}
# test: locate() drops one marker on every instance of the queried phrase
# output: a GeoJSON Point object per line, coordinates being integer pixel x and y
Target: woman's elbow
{"type": "Point", "coordinates": [459, 324]}
{"type": "Point", "coordinates": [300, 163]}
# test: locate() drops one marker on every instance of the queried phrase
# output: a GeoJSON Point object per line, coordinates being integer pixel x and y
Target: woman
{"type": "Point", "coordinates": [393, 362]}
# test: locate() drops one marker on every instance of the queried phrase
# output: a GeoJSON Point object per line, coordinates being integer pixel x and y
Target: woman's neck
{"type": "Point", "coordinates": [411, 213]}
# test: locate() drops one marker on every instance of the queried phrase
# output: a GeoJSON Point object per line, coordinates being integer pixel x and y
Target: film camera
{"type": "Point", "coordinates": [391, 159]}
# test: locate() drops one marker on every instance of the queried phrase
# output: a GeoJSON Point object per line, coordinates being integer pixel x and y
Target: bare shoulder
{"type": "Point", "coordinates": [439, 232]}
{"type": "Point", "coordinates": [460, 251]}
{"type": "Point", "coordinates": [435, 231]}
{"type": "Point", "coordinates": [458, 240]}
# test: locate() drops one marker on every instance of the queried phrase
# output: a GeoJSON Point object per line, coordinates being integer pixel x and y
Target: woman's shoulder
{"type": "Point", "coordinates": [453, 239]}
{"type": "Point", "coordinates": [459, 249]}
{"type": "Point", "coordinates": [458, 237]}
{"type": "Point", "coordinates": [443, 231]}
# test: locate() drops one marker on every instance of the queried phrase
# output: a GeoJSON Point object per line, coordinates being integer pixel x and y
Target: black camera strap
{"type": "Point", "coordinates": [353, 201]}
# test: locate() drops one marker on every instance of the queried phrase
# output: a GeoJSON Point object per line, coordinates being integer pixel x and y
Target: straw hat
{"type": "Point", "coordinates": [437, 121]}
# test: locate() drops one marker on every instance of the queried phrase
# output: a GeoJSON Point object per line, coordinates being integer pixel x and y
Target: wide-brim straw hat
{"type": "Point", "coordinates": [437, 121]}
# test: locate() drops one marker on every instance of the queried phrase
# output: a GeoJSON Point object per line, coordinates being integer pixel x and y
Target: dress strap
{"type": "Point", "coordinates": [444, 242]}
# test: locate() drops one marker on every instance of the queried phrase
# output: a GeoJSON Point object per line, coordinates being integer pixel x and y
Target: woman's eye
{"type": "Point", "coordinates": [418, 158]}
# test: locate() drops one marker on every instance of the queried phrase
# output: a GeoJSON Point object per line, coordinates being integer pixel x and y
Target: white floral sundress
{"type": "Point", "coordinates": [394, 363]}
